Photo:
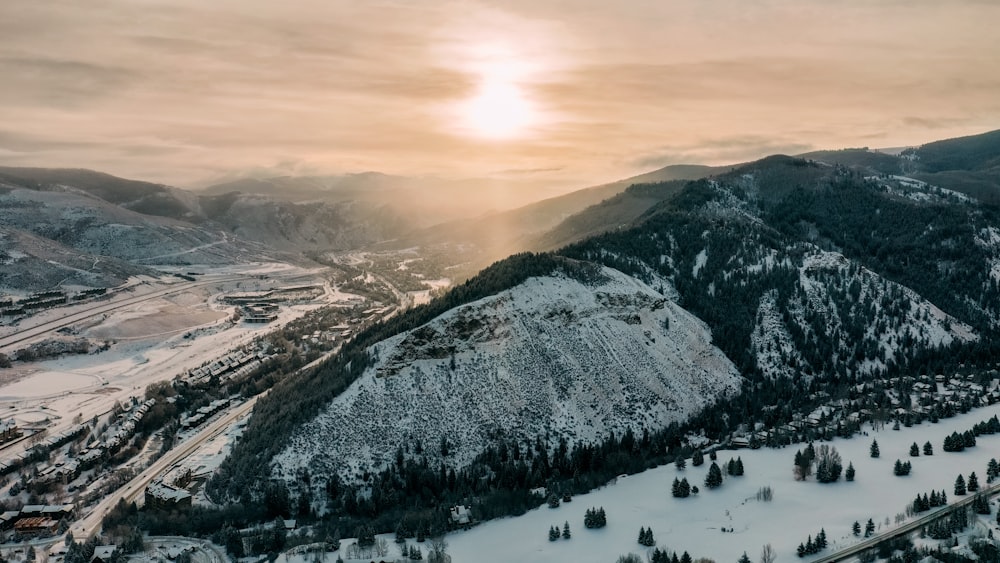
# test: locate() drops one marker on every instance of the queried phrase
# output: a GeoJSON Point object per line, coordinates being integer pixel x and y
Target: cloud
{"type": "Point", "coordinates": [61, 83]}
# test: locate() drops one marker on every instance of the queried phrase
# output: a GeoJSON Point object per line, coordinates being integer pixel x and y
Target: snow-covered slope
{"type": "Point", "coordinates": [551, 358]}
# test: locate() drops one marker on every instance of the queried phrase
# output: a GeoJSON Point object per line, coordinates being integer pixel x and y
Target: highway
{"type": "Point", "coordinates": [7, 342]}
{"type": "Point", "coordinates": [91, 524]}
{"type": "Point", "coordinates": [854, 550]}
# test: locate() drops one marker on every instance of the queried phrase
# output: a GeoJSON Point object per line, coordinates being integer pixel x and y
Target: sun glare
{"type": "Point", "coordinates": [499, 110]}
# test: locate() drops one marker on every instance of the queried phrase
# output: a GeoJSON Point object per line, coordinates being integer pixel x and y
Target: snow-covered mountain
{"type": "Point", "coordinates": [553, 357]}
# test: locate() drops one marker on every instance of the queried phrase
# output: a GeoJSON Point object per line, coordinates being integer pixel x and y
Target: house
{"type": "Point", "coordinates": [36, 526]}
{"type": "Point", "coordinates": [103, 553]}
{"type": "Point", "coordinates": [460, 515]}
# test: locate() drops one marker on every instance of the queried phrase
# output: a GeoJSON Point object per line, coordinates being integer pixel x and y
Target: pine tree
{"type": "Point", "coordinates": [973, 483]}
{"type": "Point", "coordinates": [928, 448]}
{"type": "Point", "coordinates": [801, 550]}
{"type": "Point", "coordinates": [675, 488]}
{"type": "Point", "coordinates": [697, 458]}
{"type": "Point", "coordinates": [739, 466]}
{"type": "Point", "coordinates": [914, 450]}
{"type": "Point", "coordinates": [959, 486]}
{"type": "Point", "coordinates": [566, 535]}
{"type": "Point", "coordinates": [731, 467]}
{"type": "Point", "coordinates": [873, 450]}
{"type": "Point", "coordinates": [714, 477]}
{"type": "Point", "coordinates": [685, 488]}
{"type": "Point", "coordinates": [992, 470]}
{"type": "Point", "coordinates": [849, 473]}
{"type": "Point", "coordinates": [981, 504]}
{"type": "Point", "coordinates": [856, 528]}
{"type": "Point", "coordinates": [744, 558]}
{"type": "Point", "coordinates": [553, 533]}
{"type": "Point", "coordinates": [821, 539]}
{"type": "Point", "coordinates": [681, 463]}
{"type": "Point", "coordinates": [869, 528]}
{"type": "Point", "coordinates": [685, 558]}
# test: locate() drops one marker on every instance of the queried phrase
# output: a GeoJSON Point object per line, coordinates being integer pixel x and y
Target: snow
{"type": "Point", "coordinates": [699, 262]}
{"type": "Point", "coordinates": [552, 357]}
{"type": "Point", "coordinates": [694, 524]}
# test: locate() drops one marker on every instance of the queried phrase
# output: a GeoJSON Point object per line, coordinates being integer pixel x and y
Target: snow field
{"type": "Point", "coordinates": [694, 524]}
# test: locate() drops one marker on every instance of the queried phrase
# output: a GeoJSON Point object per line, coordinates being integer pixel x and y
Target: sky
{"type": "Point", "coordinates": [559, 92]}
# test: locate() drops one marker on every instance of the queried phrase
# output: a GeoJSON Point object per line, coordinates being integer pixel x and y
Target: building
{"type": "Point", "coordinates": [36, 526]}
{"type": "Point", "coordinates": [460, 515]}
{"type": "Point", "coordinates": [162, 496]}
{"type": "Point", "coordinates": [103, 553]}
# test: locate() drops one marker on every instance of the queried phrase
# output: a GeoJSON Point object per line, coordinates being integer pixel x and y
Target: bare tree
{"type": "Point", "coordinates": [437, 552]}
{"type": "Point", "coordinates": [767, 554]}
{"type": "Point", "coordinates": [381, 547]}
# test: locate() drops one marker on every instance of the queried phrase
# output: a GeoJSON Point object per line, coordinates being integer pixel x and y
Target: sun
{"type": "Point", "coordinates": [499, 110]}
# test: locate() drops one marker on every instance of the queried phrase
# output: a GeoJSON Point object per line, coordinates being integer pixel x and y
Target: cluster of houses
{"type": "Point", "coordinates": [33, 521]}
{"type": "Point", "coordinates": [231, 366]}
{"type": "Point", "coordinates": [928, 395]}
{"type": "Point", "coordinates": [44, 300]}
{"type": "Point", "coordinates": [65, 470]}
{"type": "Point", "coordinates": [204, 413]}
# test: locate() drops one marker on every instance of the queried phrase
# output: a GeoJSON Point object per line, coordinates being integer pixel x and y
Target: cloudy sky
{"type": "Point", "coordinates": [569, 92]}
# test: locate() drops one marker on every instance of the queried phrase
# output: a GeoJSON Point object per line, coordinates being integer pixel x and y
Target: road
{"type": "Point", "coordinates": [8, 342]}
{"type": "Point", "coordinates": [91, 524]}
{"type": "Point", "coordinates": [903, 530]}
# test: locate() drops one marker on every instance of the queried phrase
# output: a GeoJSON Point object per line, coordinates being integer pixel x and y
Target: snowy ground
{"type": "Point", "coordinates": [149, 346]}
{"type": "Point", "coordinates": [694, 524]}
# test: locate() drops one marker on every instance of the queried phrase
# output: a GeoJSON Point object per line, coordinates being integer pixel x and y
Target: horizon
{"type": "Point", "coordinates": [558, 95]}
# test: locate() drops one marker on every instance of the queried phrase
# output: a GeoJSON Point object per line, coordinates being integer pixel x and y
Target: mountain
{"type": "Point", "coordinates": [496, 235]}
{"type": "Point", "coordinates": [423, 201]}
{"type": "Point", "coordinates": [970, 165]}
{"type": "Point", "coordinates": [814, 280]}
{"type": "Point", "coordinates": [36, 263]}
{"type": "Point", "coordinates": [119, 220]}
{"type": "Point", "coordinates": [553, 356]}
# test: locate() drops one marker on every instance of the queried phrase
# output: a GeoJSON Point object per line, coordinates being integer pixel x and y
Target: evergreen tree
{"type": "Point", "coordinates": [553, 533]}
{"type": "Point", "coordinates": [849, 473]}
{"type": "Point", "coordinates": [685, 488]}
{"type": "Point", "coordinates": [553, 500]}
{"type": "Point", "coordinates": [992, 470]}
{"type": "Point", "coordinates": [959, 486]}
{"type": "Point", "coordinates": [869, 528]}
{"type": "Point", "coordinates": [675, 488]}
{"type": "Point", "coordinates": [856, 528]}
{"type": "Point", "coordinates": [739, 466]}
{"type": "Point", "coordinates": [928, 448]}
{"type": "Point", "coordinates": [873, 450]}
{"type": "Point", "coordinates": [681, 463]}
{"type": "Point", "coordinates": [801, 550]}
{"type": "Point", "coordinates": [744, 558]}
{"type": "Point", "coordinates": [821, 539]}
{"type": "Point", "coordinates": [714, 477]}
{"type": "Point", "coordinates": [685, 558]}
{"type": "Point", "coordinates": [981, 504]}
{"type": "Point", "coordinates": [914, 450]}
{"type": "Point", "coordinates": [566, 535]}
{"type": "Point", "coordinates": [697, 458]}
{"type": "Point", "coordinates": [731, 467]}
{"type": "Point", "coordinates": [973, 484]}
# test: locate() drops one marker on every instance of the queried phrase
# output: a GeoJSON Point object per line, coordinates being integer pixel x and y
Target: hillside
{"type": "Point", "coordinates": [812, 279]}
{"type": "Point", "coordinates": [553, 357]}
{"type": "Point", "coordinates": [109, 221]}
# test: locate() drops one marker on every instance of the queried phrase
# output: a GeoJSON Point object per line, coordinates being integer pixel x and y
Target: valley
{"type": "Point", "coordinates": [324, 379]}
